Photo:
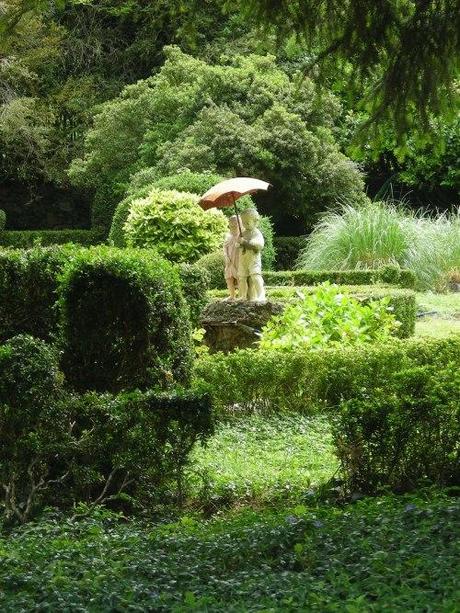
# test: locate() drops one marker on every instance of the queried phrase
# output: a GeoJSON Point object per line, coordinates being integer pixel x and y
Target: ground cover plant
{"type": "Point", "coordinates": [394, 553]}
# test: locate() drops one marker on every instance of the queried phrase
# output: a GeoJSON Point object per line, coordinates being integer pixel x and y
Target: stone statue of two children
{"type": "Point", "coordinates": [243, 257]}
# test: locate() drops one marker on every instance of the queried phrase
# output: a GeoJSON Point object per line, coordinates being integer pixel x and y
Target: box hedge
{"type": "Point", "coordinates": [28, 287]}
{"type": "Point", "coordinates": [59, 449]}
{"type": "Point", "coordinates": [304, 381]}
{"type": "Point", "coordinates": [24, 239]}
{"type": "Point", "coordinates": [125, 323]}
{"type": "Point", "coordinates": [388, 274]}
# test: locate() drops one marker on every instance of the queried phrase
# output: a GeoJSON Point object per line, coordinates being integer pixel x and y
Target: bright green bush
{"type": "Point", "coordinates": [186, 181]}
{"type": "Point", "coordinates": [401, 301]}
{"type": "Point", "coordinates": [25, 239]}
{"type": "Point", "coordinates": [125, 323]}
{"type": "Point", "coordinates": [404, 434]}
{"type": "Point", "coordinates": [175, 225]}
{"type": "Point", "coordinates": [375, 234]}
{"type": "Point", "coordinates": [328, 316]}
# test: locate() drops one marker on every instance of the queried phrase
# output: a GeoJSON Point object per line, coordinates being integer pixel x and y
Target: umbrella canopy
{"type": "Point", "coordinates": [226, 192]}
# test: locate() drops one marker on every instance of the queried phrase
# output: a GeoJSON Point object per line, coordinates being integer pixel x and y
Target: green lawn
{"type": "Point", "coordinates": [443, 317]}
{"type": "Point", "coordinates": [257, 460]}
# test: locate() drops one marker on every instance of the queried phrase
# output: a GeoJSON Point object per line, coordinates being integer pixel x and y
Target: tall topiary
{"type": "Point", "coordinates": [175, 224]}
{"type": "Point", "coordinates": [125, 323]}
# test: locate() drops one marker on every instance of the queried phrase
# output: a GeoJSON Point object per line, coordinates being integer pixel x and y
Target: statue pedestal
{"type": "Point", "coordinates": [235, 324]}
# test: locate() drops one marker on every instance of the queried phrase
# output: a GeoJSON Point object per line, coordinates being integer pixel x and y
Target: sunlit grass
{"type": "Point", "coordinates": [260, 460]}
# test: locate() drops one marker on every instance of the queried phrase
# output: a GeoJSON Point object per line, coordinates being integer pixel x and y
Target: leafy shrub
{"type": "Point", "coordinates": [303, 380]}
{"type": "Point", "coordinates": [2, 220]}
{"type": "Point", "coordinates": [214, 264]}
{"type": "Point", "coordinates": [32, 426]}
{"type": "Point", "coordinates": [328, 316]}
{"type": "Point", "coordinates": [287, 251]}
{"type": "Point", "coordinates": [377, 234]}
{"type": "Point", "coordinates": [195, 283]}
{"type": "Point", "coordinates": [175, 225]}
{"type": "Point", "coordinates": [400, 301]}
{"type": "Point", "coordinates": [133, 448]}
{"type": "Point", "coordinates": [269, 251]}
{"type": "Point", "coordinates": [403, 434]}
{"type": "Point", "coordinates": [117, 236]}
{"type": "Point", "coordinates": [25, 239]}
{"type": "Point", "coordinates": [60, 450]}
{"type": "Point", "coordinates": [248, 116]}
{"type": "Point", "coordinates": [28, 286]}
{"type": "Point", "coordinates": [387, 274]}
{"type": "Point", "coordinates": [125, 323]}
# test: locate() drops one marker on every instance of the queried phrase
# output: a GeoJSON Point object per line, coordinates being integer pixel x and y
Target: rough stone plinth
{"type": "Point", "coordinates": [232, 324]}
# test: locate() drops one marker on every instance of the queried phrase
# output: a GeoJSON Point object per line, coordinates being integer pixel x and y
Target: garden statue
{"type": "Point", "coordinates": [231, 255]}
{"type": "Point", "coordinates": [251, 243]}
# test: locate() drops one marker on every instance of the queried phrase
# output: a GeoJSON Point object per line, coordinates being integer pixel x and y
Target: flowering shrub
{"type": "Point", "coordinates": [328, 316]}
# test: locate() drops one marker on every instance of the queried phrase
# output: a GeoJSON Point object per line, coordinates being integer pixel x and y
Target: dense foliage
{"type": "Point", "coordinates": [328, 316]}
{"type": "Point", "coordinates": [58, 449]}
{"type": "Point", "coordinates": [244, 118]}
{"type": "Point", "coordinates": [326, 558]}
{"type": "Point", "coordinates": [175, 225]}
{"type": "Point", "coordinates": [403, 435]}
{"type": "Point", "coordinates": [125, 323]}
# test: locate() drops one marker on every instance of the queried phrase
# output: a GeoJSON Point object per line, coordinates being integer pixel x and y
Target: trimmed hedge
{"type": "Point", "coordinates": [60, 449]}
{"type": "Point", "coordinates": [2, 220]}
{"type": "Point", "coordinates": [125, 323]}
{"type": "Point", "coordinates": [402, 301]}
{"type": "Point", "coordinates": [195, 284]}
{"type": "Point", "coordinates": [388, 274]}
{"type": "Point", "coordinates": [251, 379]}
{"type": "Point", "coordinates": [403, 434]}
{"type": "Point", "coordinates": [287, 251]}
{"type": "Point", "coordinates": [28, 290]}
{"type": "Point", "coordinates": [24, 239]}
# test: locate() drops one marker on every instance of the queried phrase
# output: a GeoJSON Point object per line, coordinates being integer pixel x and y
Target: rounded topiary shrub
{"type": "Point", "coordinates": [214, 264]}
{"type": "Point", "coordinates": [125, 323]}
{"type": "Point", "coordinates": [30, 376]}
{"type": "Point", "coordinates": [175, 224]}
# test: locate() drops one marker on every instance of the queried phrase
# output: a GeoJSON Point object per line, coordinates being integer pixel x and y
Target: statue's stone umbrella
{"type": "Point", "coordinates": [227, 192]}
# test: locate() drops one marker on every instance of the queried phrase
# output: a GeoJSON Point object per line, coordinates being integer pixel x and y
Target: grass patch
{"type": "Point", "coordinates": [380, 554]}
{"type": "Point", "coordinates": [262, 460]}
{"type": "Point", "coordinates": [443, 317]}
{"type": "Point", "coordinates": [443, 304]}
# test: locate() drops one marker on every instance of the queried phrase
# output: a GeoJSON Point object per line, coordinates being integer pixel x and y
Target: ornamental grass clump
{"type": "Point", "coordinates": [377, 234]}
{"type": "Point", "coordinates": [368, 236]}
{"type": "Point", "coordinates": [328, 316]}
{"type": "Point", "coordinates": [175, 224]}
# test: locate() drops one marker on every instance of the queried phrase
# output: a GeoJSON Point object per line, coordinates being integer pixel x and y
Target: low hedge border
{"type": "Point", "coordinates": [29, 281]}
{"type": "Point", "coordinates": [402, 301]}
{"type": "Point", "coordinates": [304, 381]}
{"type": "Point", "coordinates": [24, 239]}
{"type": "Point", "coordinates": [388, 274]}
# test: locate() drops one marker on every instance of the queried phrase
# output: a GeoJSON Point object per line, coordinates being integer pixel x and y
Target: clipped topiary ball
{"type": "Point", "coordinates": [175, 224]}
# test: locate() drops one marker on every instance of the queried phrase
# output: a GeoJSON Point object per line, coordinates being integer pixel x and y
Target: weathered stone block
{"type": "Point", "coordinates": [236, 324]}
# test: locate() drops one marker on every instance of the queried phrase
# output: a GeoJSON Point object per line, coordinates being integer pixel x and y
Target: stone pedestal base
{"type": "Point", "coordinates": [236, 324]}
